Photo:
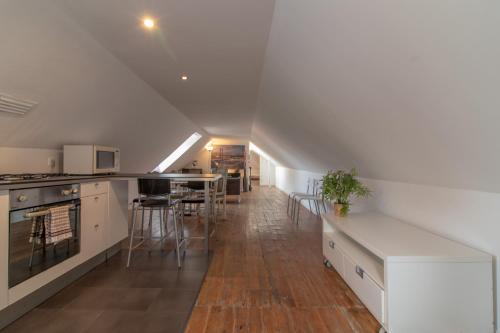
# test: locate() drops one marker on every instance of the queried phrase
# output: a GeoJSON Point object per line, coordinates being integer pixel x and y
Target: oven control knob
{"type": "Point", "coordinates": [22, 198]}
{"type": "Point", "coordinates": [74, 191]}
{"type": "Point", "coordinates": [66, 192]}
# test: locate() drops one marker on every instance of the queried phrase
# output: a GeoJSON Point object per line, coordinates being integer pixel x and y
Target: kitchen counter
{"type": "Point", "coordinates": [104, 215]}
{"type": "Point", "coordinates": [59, 180]}
{"type": "Point", "coordinates": [117, 178]}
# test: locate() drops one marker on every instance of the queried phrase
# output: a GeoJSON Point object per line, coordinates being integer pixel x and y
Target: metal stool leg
{"type": "Point", "coordinates": [317, 207]}
{"type": "Point", "coordinates": [142, 224]}
{"type": "Point", "coordinates": [183, 235]}
{"type": "Point", "coordinates": [298, 211]}
{"type": "Point", "coordinates": [294, 202]}
{"type": "Point", "coordinates": [150, 230]}
{"type": "Point", "coordinates": [161, 229]}
{"type": "Point", "coordinates": [134, 219]}
{"type": "Point", "coordinates": [288, 204]}
{"type": "Point", "coordinates": [174, 213]}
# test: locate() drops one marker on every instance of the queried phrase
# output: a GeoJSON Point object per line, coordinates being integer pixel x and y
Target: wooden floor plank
{"type": "Point", "coordinates": [267, 275]}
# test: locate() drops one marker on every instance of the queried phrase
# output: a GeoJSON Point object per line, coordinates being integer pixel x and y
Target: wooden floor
{"type": "Point", "coordinates": [267, 275]}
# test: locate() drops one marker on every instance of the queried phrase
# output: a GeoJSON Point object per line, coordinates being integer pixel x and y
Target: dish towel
{"type": "Point", "coordinates": [57, 225]}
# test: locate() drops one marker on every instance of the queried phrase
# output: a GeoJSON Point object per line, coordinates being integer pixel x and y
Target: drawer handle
{"type": "Point", "coordinates": [331, 244]}
{"type": "Point", "coordinates": [96, 226]}
{"type": "Point", "coordinates": [360, 271]}
{"type": "Point", "coordinates": [96, 184]}
{"type": "Point", "coordinates": [96, 198]}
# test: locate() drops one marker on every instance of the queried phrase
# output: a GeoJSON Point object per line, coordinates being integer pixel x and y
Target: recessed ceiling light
{"type": "Point", "coordinates": [184, 78]}
{"type": "Point", "coordinates": [148, 23]}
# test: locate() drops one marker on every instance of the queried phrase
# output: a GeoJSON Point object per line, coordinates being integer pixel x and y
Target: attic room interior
{"type": "Point", "coordinates": [249, 166]}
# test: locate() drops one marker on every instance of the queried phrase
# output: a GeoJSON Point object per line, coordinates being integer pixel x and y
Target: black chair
{"type": "Point", "coordinates": [155, 195]}
{"type": "Point", "coordinates": [196, 196]}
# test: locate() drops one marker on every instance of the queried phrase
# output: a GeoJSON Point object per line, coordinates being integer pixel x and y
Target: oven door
{"type": "Point", "coordinates": [29, 256]}
{"type": "Point", "coordinates": [106, 159]}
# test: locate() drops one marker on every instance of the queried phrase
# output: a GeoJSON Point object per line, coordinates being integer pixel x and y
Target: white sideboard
{"type": "Point", "coordinates": [411, 280]}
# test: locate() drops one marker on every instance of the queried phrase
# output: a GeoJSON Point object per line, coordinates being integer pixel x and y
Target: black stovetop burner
{"type": "Point", "coordinates": [29, 176]}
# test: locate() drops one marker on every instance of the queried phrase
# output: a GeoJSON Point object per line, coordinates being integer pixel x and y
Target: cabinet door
{"type": "Point", "coordinates": [94, 219]}
{"type": "Point", "coordinates": [332, 252]}
{"type": "Point", "coordinates": [4, 248]}
{"type": "Point", "coordinates": [118, 212]}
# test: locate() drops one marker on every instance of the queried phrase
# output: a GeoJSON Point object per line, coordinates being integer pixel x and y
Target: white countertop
{"type": "Point", "coordinates": [394, 240]}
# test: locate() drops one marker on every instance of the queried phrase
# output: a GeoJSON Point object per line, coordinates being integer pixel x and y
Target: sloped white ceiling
{"type": "Point", "coordinates": [402, 90]}
{"type": "Point", "coordinates": [219, 44]}
{"type": "Point", "coordinates": [85, 94]}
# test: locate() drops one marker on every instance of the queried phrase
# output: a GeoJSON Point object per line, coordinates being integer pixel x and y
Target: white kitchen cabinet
{"type": "Point", "coordinates": [411, 280]}
{"type": "Point", "coordinates": [94, 225]}
{"type": "Point", "coordinates": [331, 251]}
{"type": "Point", "coordinates": [93, 188]}
{"type": "Point", "coordinates": [4, 248]}
{"type": "Point", "coordinates": [118, 212]}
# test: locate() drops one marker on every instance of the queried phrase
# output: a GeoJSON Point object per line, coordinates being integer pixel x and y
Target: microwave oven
{"type": "Point", "coordinates": [90, 159]}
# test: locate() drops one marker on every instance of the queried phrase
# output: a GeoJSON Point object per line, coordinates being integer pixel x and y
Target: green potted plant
{"type": "Point", "coordinates": [341, 186]}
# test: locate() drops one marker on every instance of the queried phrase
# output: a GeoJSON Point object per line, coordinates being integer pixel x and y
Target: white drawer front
{"type": "Point", "coordinates": [365, 288]}
{"type": "Point", "coordinates": [94, 188]}
{"type": "Point", "coordinates": [94, 220]}
{"type": "Point", "coordinates": [333, 254]}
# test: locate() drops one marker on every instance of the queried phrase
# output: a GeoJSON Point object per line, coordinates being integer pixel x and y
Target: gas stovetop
{"type": "Point", "coordinates": [29, 176]}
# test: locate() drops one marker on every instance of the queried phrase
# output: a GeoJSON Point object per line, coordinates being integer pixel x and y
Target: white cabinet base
{"type": "Point", "coordinates": [411, 280]}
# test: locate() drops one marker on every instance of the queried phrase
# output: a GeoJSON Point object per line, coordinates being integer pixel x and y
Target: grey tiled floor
{"type": "Point", "coordinates": [151, 296]}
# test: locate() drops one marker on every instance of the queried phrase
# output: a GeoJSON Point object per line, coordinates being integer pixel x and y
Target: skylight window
{"type": "Point", "coordinates": [184, 147]}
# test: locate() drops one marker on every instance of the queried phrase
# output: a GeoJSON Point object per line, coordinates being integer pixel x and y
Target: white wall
{"type": "Point", "coordinates": [29, 160]}
{"type": "Point", "coordinates": [255, 164]}
{"type": "Point", "coordinates": [267, 172]}
{"type": "Point", "coordinates": [85, 94]}
{"type": "Point", "coordinates": [470, 217]}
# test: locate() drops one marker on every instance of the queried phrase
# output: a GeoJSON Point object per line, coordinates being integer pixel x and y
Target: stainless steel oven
{"type": "Point", "coordinates": [29, 253]}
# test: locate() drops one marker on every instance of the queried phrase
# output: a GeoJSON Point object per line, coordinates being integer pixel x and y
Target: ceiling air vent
{"type": "Point", "coordinates": [15, 105]}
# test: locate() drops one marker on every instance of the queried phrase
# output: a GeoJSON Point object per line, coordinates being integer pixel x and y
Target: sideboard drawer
{"type": "Point", "coordinates": [365, 288]}
{"type": "Point", "coordinates": [332, 252]}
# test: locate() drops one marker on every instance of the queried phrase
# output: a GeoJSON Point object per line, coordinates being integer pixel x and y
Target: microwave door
{"type": "Point", "coordinates": [106, 159]}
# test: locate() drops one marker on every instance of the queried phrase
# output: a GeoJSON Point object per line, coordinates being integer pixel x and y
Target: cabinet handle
{"type": "Point", "coordinates": [331, 244]}
{"type": "Point", "coordinates": [360, 271]}
{"type": "Point", "coordinates": [96, 184]}
{"type": "Point", "coordinates": [96, 226]}
{"type": "Point", "coordinates": [96, 198]}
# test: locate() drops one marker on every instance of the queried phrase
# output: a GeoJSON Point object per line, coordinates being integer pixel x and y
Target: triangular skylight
{"type": "Point", "coordinates": [184, 147]}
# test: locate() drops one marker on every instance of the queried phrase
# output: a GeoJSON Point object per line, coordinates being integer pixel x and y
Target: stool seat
{"type": "Point", "coordinates": [193, 200]}
{"type": "Point", "coordinates": [156, 203]}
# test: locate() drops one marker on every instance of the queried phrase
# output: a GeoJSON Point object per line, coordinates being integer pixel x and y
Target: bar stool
{"type": "Point", "coordinates": [292, 197]}
{"type": "Point", "coordinates": [316, 197]}
{"type": "Point", "coordinates": [196, 196]}
{"type": "Point", "coordinates": [155, 195]}
{"type": "Point", "coordinates": [220, 193]}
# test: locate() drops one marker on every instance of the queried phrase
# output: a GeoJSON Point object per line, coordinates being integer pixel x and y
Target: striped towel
{"type": "Point", "coordinates": [57, 225]}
